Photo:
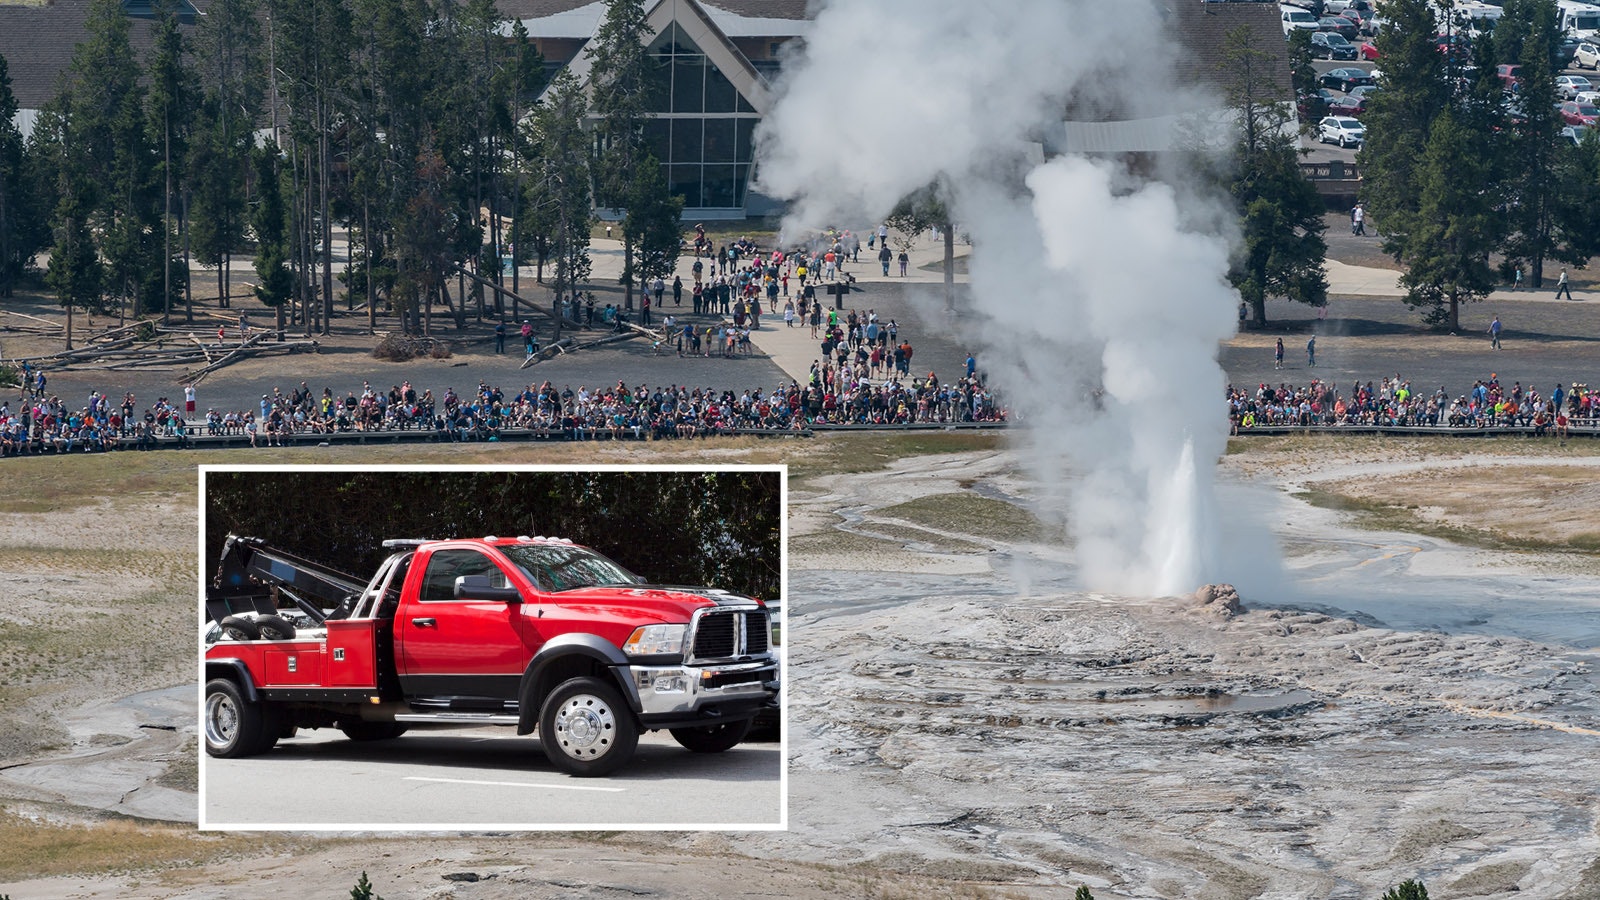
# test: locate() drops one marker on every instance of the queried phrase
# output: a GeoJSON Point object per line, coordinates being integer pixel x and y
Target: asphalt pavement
{"type": "Point", "coordinates": [487, 778]}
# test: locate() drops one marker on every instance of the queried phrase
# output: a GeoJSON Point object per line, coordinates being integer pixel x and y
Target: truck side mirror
{"type": "Point", "coordinates": [479, 587]}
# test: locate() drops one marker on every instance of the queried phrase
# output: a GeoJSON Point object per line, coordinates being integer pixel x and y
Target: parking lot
{"type": "Point", "coordinates": [1321, 153]}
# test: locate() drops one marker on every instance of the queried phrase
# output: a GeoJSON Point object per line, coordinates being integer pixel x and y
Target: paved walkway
{"type": "Point", "coordinates": [793, 350]}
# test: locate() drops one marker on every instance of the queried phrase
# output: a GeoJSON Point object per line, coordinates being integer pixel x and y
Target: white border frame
{"type": "Point", "coordinates": [456, 828]}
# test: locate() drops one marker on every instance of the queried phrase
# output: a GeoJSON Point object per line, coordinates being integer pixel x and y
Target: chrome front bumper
{"type": "Point", "coordinates": [684, 691]}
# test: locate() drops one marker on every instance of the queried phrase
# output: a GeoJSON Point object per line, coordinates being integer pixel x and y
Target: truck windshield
{"type": "Point", "coordinates": [558, 568]}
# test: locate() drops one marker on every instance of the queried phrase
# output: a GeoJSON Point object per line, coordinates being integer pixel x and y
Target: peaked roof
{"type": "Point", "coordinates": [696, 24]}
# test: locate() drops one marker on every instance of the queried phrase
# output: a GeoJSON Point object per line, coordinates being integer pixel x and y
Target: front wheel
{"type": "Point", "coordinates": [586, 728]}
{"type": "Point", "coordinates": [712, 738]}
{"type": "Point", "coordinates": [234, 726]}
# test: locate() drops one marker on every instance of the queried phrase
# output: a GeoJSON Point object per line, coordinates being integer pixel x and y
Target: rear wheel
{"type": "Point", "coordinates": [362, 730]}
{"type": "Point", "coordinates": [712, 738]}
{"type": "Point", "coordinates": [586, 728]}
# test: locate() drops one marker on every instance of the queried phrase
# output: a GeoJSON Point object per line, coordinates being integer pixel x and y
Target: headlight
{"type": "Point", "coordinates": [652, 640]}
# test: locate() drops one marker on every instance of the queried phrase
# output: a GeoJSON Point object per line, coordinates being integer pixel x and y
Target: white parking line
{"type": "Point", "coordinates": [555, 787]}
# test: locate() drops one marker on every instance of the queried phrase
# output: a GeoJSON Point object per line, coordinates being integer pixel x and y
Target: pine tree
{"type": "Point", "coordinates": [270, 223]}
{"type": "Point", "coordinates": [626, 85]}
{"type": "Point", "coordinates": [1446, 248]}
{"type": "Point", "coordinates": [1399, 118]}
{"type": "Point", "coordinates": [1409, 889]}
{"type": "Point", "coordinates": [1282, 251]}
{"type": "Point", "coordinates": [172, 95]}
{"type": "Point", "coordinates": [561, 183]}
{"type": "Point", "coordinates": [1537, 168]}
{"type": "Point", "coordinates": [109, 135]}
{"type": "Point", "coordinates": [653, 222]}
{"type": "Point", "coordinates": [229, 54]}
{"type": "Point", "coordinates": [11, 186]}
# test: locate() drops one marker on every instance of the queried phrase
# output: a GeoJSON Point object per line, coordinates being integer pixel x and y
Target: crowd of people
{"type": "Point", "coordinates": [1392, 402]}
{"type": "Point", "coordinates": [832, 397]}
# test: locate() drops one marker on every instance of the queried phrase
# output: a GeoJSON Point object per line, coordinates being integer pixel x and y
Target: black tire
{"type": "Point", "coordinates": [240, 629]}
{"type": "Point", "coordinates": [234, 726]}
{"type": "Point", "coordinates": [275, 628]}
{"type": "Point", "coordinates": [586, 728]}
{"type": "Point", "coordinates": [712, 738]}
{"type": "Point", "coordinates": [362, 730]}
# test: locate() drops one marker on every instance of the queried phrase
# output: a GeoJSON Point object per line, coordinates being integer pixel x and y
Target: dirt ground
{"type": "Point", "coordinates": [914, 771]}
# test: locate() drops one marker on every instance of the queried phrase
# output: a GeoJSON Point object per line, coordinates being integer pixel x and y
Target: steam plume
{"type": "Point", "coordinates": [1100, 309]}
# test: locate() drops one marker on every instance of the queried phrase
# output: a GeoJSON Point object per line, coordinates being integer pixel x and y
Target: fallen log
{"type": "Point", "coordinates": [56, 325]}
{"type": "Point", "coordinates": [556, 349]}
{"type": "Point", "coordinates": [197, 376]}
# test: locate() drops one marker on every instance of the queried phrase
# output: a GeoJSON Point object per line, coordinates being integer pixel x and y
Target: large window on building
{"type": "Point", "coordinates": [702, 133]}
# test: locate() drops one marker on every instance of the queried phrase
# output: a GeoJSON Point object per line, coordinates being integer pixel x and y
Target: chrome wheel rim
{"type": "Point", "coordinates": [222, 720]}
{"type": "Point", "coordinates": [585, 727]}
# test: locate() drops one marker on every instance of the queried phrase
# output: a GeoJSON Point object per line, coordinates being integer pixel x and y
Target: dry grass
{"type": "Point", "coordinates": [968, 513]}
{"type": "Point", "coordinates": [38, 849]}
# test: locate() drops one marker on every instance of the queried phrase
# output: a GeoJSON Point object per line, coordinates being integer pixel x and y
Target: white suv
{"type": "Point", "coordinates": [1341, 130]}
{"type": "Point", "coordinates": [1587, 56]}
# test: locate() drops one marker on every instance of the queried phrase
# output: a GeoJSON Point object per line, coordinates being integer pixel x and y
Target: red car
{"type": "Point", "coordinates": [1575, 113]}
{"type": "Point", "coordinates": [1348, 105]}
{"type": "Point", "coordinates": [1369, 51]}
{"type": "Point", "coordinates": [1509, 75]}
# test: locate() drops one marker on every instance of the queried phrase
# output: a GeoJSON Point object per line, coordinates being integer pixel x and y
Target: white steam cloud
{"type": "Point", "coordinates": [1101, 309]}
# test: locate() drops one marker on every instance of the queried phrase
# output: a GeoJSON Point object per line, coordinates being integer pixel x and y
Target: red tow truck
{"type": "Point", "coordinates": [532, 632]}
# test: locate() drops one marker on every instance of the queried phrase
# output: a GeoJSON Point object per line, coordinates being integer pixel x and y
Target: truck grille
{"type": "Point", "coordinates": [723, 635]}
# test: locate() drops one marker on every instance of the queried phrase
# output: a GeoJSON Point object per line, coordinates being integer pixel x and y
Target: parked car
{"type": "Point", "coordinates": [1574, 133]}
{"type": "Point", "coordinates": [1349, 105]}
{"type": "Point", "coordinates": [1510, 75]}
{"type": "Point", "coordinates": [1568, 86]}
{"type": "Point", "coordinates": [1297, 19]}
{"type": "Point", "coordinates": [1575, 113]}
{"type": "Point", "coordinates": [1566, 51]}
{"type": "Point", "coordinates": [1369, 51]}
{"type": "Point", "coordinates": [1588, 97]}
{"type": "Point", "coordinates": [1339, 25]}
{"type": "Point", "coordinates": [1365, 92]}
{"type": "Point", "coordinates": [1331, 45]}
{"type": "Point", "coordinates": [1314, 106]}
{"type": "Point", "coordinates": [1341, 130]}
{"type": "Point", "coordinates": [1586, 56]}
{"type": "Point", "coordinates": [1345, 79]}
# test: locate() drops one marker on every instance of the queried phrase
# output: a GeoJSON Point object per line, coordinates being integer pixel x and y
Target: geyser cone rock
{"type": "Point", "coordinates": [1218, 600]}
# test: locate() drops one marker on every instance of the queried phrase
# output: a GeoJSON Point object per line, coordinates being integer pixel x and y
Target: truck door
{"type": "Point", "coordinates": [462, 654]}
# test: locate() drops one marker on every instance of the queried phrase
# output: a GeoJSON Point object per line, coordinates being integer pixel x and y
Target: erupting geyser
{"type": "Point", "coordinates": [1099, 297]}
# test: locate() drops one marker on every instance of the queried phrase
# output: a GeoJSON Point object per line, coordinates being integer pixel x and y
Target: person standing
{"type": "Point", "coordinates": [903, 260]}
{"type": "Point", "coordinates": [677, 291]}
{"type": "Point", "coordinates": [500, 336]}
{"type": "Point", "coordinates": [1311, 352]}
{"type": "Point", "coordinates": [1277, 355]}
{"type": "Point", "coordinates": [1562, 287]}
{"type": "Point", "coordinates": [885, 256]}
{"type": "Point", "coordinates": [188, 399]}
{"type": "Point", "coordinates": [1494, 330]}
{"type": "Point", "coordinates": [1358, 221]}
{"type": "Point", "coordinates": [527, 337]}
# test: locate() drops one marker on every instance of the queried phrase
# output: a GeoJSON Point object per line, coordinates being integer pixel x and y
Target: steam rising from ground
{"type": "Point", "coordinates": [1100, 311]}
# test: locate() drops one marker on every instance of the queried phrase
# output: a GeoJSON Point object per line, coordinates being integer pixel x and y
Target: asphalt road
{"type": "Point", "coordinates": [488, 778]}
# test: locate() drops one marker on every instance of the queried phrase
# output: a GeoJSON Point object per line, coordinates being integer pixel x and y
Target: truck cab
{"type": "Point", "coordinates": [536, 633]}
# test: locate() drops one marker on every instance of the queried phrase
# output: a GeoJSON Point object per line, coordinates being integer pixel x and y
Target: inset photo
{"type": "Point", "coordinates": [466, 649]}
